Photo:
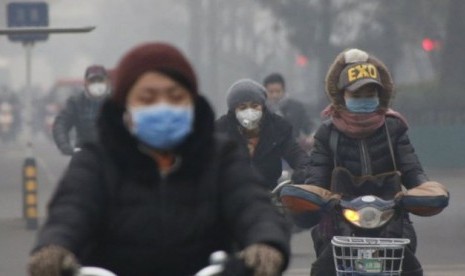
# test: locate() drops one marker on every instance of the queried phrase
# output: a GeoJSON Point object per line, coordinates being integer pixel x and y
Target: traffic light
{"type": "Point", "coordinates": [301, 60]}
{"type": "Point", "coordinates": [430, 44]}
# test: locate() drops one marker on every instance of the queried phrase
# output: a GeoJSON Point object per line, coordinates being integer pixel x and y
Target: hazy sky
{"type": "Point", "coordinates": [120, 24]}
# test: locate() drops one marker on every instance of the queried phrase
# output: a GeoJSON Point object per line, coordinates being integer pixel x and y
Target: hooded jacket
{"type": "Point", "coordinates": [370, 155]}
{"type": "Point", "coordinates": [115, 210]}
{"type": "Point", "coordinates": [275, 143]}
{"type": "Point", "coordinates": [366, 155]}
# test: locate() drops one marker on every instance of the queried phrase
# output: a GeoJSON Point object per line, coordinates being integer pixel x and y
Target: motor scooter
{"type": "Point", "coordinates": [360, 246]}
{"type": "Point", "coordinates": [364, 221]}
{"type": "Point", "coordinates": [360, 250]}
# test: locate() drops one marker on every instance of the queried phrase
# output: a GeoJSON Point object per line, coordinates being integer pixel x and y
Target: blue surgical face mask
{"type": "Point", "coordinates": [362, 105]}
{"type": "Point", "coordinates": [162, 126]}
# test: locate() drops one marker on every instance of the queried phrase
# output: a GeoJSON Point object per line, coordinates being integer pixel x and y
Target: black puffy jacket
{"type": "Point", "coordinates": [80, 113]}
{"type": "Point", "coordinates": [114, 209]}
{"type": "Point", "coordinates": [296, 114]}
{"type": "Point", "coordinates": [276, 143]}
{"type": "Point", "coordinates": [366, 156]}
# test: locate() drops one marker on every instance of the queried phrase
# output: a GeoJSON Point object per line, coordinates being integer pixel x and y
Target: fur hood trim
{"type": "Point", "coordinates": [349, 56]}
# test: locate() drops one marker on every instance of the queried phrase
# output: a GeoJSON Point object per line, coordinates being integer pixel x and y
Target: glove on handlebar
{"type": "Point", "coordinates": [426, 199]}
{"type": "Point", "coordinates": [264, 259]}
{"type": "Point", "coordinates": [332, 202]}
{"type": "Point", "coordinates": [52, 260]}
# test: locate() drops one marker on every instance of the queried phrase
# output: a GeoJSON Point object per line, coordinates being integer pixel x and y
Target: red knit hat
{"type": "Point", "coordinates": [159, 57]}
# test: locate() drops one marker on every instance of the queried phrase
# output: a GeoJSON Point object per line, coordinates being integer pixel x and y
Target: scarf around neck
{"type": "Point", "coordinates": [358, 125]}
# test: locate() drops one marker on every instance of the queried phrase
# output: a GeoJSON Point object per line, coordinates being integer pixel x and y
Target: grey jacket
{"type": "Point", "coordinates": [80, 113]}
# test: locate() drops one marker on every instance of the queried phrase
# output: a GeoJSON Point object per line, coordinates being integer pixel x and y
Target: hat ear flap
{"type": "Point", "coordinates": [332, 80]}
{"type": "Point", "coordinates": [386, 94]}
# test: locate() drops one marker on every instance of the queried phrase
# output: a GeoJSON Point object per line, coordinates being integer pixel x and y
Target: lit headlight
{"type": "Point", "coordinates": [368, 217]}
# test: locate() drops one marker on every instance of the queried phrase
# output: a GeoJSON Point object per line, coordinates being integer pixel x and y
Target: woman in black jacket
{"type": "Point", "coordinates": [264, 136]}
{"type": "Point", "coordinates": [159, 192]}
{"type": "Point", "coordinates": [363, 140]}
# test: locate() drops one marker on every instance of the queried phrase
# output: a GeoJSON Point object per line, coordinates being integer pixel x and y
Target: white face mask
{"type": "Point", "coordinates": [249, 118]}
{"type": "Point", "coordinates": [97, 89]}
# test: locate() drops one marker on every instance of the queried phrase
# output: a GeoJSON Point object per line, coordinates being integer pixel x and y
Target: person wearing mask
{"type": "Point", "coordinates": [293, 111]}
{"type": "Point", "coordinates": [365, 143]}
{"type": "Point", "coordinates": [264, 136]}
{"type": "Point", "coordinates": [159, 191]}
{"type": "Point", "coordinates": [80, 112]}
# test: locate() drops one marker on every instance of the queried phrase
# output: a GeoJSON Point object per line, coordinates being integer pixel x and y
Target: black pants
{"type": "Point", "coordinates": [324, 264]}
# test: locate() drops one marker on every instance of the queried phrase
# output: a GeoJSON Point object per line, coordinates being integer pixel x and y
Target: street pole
{"type": "Point", "coordinates": [28, 97]}
{"type": "Point", "coordinates": [28, 46]}
{"type": "Point", "coordinates": [30, 184]}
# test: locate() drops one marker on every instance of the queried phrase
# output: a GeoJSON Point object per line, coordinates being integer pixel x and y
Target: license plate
{"type": "Point", "coordinates": [368, 265]}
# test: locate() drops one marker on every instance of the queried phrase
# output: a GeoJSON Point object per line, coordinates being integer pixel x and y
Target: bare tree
{"type": "Point", "coordinates": [321, 28]}
{"type": "Point", "coordinates": [453, 57]}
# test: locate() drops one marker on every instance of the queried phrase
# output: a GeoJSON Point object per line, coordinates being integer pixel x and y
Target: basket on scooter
{"type": "Point", "coordinates": [368, 256]}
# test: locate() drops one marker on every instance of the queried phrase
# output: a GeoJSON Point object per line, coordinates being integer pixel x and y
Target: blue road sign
{"type": "Point", "coordinates": [28, 14]}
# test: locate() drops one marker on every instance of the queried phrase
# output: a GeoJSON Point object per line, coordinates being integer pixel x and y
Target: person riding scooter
{"type": "Point", "coordinates": [263, 136]}
{"type": "Point", "coordinates": [81, 111]}
{"type": "Point", "coordinates": [365, 145]}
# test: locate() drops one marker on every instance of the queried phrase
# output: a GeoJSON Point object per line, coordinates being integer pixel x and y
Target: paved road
{"type": "Point", "coordinates": [441, 238]}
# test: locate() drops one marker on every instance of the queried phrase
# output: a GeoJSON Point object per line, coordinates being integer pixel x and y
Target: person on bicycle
{"type": "Point", "coordinates": [158, 192]}
{"type": "Point", "coordinates": [363, 138]}
{"type": "Point", "coordinates": [295, 112]}
{"type": "Point", "coordinates": [264, 136]}
{"type": "Point", "coordinates": [81, 111]}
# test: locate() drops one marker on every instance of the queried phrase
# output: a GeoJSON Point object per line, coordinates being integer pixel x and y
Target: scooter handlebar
{"type": "Point", "coordinates": [93, 271]}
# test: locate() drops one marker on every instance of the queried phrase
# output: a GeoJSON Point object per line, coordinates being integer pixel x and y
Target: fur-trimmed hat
{"type": "Point", "coordinates": [156, 57]}
{"type": "Point", "coordinates": [337, 79]}
{"type": "Point", "coordinates": [356, 75]}
{"type": "Point", "coordinates": [245, 90]}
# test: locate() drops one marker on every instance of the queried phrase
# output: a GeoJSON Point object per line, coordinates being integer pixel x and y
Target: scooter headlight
{"type": "Point", "coordinates": [368, 217]}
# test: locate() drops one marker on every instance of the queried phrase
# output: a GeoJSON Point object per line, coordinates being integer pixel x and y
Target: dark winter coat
{"type": "Point", "coordinates": [368, 156]}
{"type": "Point", "coordinates": [276, 142]}
{"type": "Point", "coordinates": [80, 113]}
{"type": "Point", "coordinates": [296, 114]}
{"type": "Point", "coordinates": [115, 210]}
{"type": "Point", "coordinates": [363, 157]}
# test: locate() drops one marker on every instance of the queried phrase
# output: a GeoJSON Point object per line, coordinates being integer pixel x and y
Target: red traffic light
{"type": "Point", "coordinates": [301, 60]}
{"type": "Point", "coordinates": [429, 44]}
